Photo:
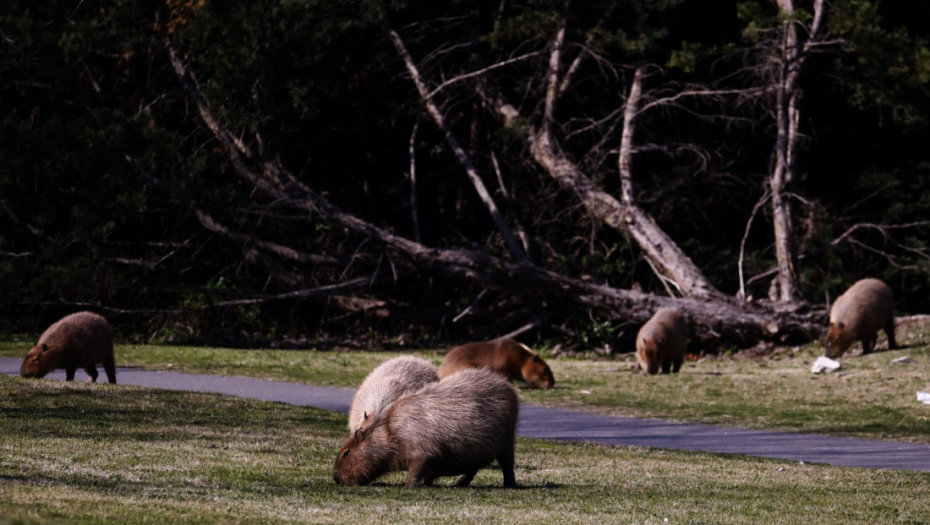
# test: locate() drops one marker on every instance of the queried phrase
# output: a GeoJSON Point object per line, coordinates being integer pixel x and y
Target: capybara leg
{"type": "Point", "coordinates": [676, 365]}
{"type": "Point", "coordinates": [867, 345]}
{"type": "Point", "coordinates": [666, 366]}
{"type": "Point", "coordinates": [91, 373]}
{"type": "Point", "coordinates": [465, 479]}
{"type": "Point", "coordinates": [505, 461]}
{"type": "Point", "coordinates": [109, 366]}
{"type": "Point", "coordinates": [69, 373]}
{"type": "Point", "coordinates": [419, 475]}
{"type": "Point", "coordinates": [889, 332]}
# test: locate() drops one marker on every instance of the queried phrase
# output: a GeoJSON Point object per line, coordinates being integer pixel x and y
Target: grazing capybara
{"type": "Point", "coordinates": [386, 383]}
{"type": "Point", "coordinates": [454, 427]}
{"type": "Point", "coordinates": [857, 315]}
{"type": "Point", "coordinates": [513, 360]}
{"type": "Point", "coordinates": [662, 341]}
{"type": "Point", "coordinates": [80, 340]}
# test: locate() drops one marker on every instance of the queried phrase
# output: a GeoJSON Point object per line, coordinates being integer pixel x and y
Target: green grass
{"type": "Point", "coordinates": [78, 452]}
{"type": "Point", "coordinates": [869, 397]}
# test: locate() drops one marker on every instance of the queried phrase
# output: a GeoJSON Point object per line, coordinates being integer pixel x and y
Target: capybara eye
{"type": "Point", "coordinates": [345, 454]}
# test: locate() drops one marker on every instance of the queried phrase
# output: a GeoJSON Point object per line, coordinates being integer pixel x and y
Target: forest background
{"type": "Point", "coordinates": [387, 174]}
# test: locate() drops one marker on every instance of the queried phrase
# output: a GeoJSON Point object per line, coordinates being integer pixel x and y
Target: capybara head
{"type": "Point", "coordinates": [537, 373]}
{"type": "Point", "coordinates": [837, 340]}
{"type": "Point", "coordinates": [363, 457]}
{"type": "Point", "coordinates": [38, 362]}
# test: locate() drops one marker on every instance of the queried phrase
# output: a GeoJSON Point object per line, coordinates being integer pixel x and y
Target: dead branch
{"type": "Point", "coordinates": [516, 251]}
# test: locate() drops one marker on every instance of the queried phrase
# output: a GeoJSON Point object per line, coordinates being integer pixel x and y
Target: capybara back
{"type": "Point", "coordinates": [386, 383]}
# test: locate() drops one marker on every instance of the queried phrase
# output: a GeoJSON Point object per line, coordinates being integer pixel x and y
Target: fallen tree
{"type": "Point", "coordinates": [526, 295]}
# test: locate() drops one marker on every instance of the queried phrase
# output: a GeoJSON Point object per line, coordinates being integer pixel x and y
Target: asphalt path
{"type": "Point", "coordinates": [566, 425]}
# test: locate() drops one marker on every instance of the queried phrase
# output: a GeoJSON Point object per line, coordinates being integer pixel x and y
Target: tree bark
{"type": "Point", "coordinates": [787, 120]}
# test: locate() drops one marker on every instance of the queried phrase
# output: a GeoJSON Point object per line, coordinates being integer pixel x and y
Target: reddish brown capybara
{"type": "Point", "coordinates": [386, 383]}
{"type": "Point", "coordinates": [513, 360]}
{"type": "Point", "coordinates": [857, 315]}
{"type": "Point", "coordinates": [662, 342]}
{"type": "Point", "coordinates": [80, 340]}
{"type": "Point", "coordinates": [453, 427]}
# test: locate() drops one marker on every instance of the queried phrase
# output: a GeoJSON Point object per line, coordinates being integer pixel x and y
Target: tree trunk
{"type": "Point", "coordinates": [788, 115]}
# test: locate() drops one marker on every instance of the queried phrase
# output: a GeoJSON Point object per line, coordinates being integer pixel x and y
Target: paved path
{"type": "Point", "coordinates": [569, 425]}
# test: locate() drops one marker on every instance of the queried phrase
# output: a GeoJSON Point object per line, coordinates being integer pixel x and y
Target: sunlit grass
{"type": "Point", "coordinates": [78, 452]}
{"type": "Point", "coordinates": [871, 396]}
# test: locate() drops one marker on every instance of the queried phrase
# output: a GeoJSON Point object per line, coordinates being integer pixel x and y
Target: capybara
{"type": "Point", "coordinates": [453, 427]}
{"type": "Point", "coordinates": [864, 309]}
{"type": "Point", "coordinates": [662, 341]}
{"type": "Point", "coordinates": [513, 360]}
{"type": "Point", "coordinates": [387, 382]}
{"type": "Point", "coordinates": [79, 340]}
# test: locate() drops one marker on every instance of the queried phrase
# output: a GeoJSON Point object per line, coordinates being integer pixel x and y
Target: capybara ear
{"type": "Point", "coordinates": [359, 435]}
{"type": "Point", "coordinates": [841, 324]}
{"type": "Point", "coordinates": [536, 359]}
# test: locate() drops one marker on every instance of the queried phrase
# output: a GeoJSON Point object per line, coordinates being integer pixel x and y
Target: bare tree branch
{"type": "Point", "coordinates": [516, 251]}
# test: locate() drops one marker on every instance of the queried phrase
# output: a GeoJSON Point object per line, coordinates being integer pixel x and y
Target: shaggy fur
{"type": "Point", "coordinates": [513, 360]}
{"type": "Point", "coordinates": [454, 427]}
{"type": "Point", "coordinates": [662, 342]}
{"type": "Point", "coordinates": [386, 383]}
{"type": "Point", "coordinates": [80, 340]}
{"type": "Point", "coordinates": [857, 315]}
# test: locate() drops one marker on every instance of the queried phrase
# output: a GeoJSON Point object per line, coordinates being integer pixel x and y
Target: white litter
{"type": "Point", "coordinates": [903, 359]}
{"type": "Point", "coordinates": [923, 397]}
{"type": "Point", "coordinates": [825, 364]}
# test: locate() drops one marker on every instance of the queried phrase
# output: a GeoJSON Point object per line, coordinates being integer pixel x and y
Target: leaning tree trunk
{"type": "Point", "coordinates": [672, 264]}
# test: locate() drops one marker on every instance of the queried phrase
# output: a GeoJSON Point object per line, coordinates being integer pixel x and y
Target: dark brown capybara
{"type": "Point", "coordinates": [386, 383]}
{"type": "Point", "coordinates": [80, 340]}
{"type": "Point", "coordinates": [512, 359]}
{"type": "Point", "coordinates": [662, 342]}
{"type": "Point", "coordinates": [857, 315]}
{"type": "Point", "coordinates": [453, 427]}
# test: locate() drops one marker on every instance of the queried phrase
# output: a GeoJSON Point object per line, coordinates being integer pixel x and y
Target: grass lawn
{"type": "Point", "coordinates": [871, 396]}
{"type": "Point", "coordinates": [79, 452]}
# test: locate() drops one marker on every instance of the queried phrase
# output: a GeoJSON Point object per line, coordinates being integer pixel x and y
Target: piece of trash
{"type": "Point", "coordinates": [923, 397]}
{"type": "Point", "coordinates": [902, 359]}
{"type": "Point", "coordinates": [588, 392]}
{"type": "Point", "coordinates": [824, 364]}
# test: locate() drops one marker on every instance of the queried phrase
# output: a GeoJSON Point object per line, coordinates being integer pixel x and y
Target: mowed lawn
{"type": "Point", "coordinates": [873, 396]}
{"type": "Point", "coordinates": [77, 452]}
{"type": "Point", "coordinates": [104, 453]}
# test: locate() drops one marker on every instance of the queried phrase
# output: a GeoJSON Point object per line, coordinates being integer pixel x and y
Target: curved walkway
{"type": "Point", "coordinates": [569, 425]}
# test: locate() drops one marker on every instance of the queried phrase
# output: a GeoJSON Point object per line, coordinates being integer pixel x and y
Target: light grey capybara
{"type": "Point", "coordinates": [662, 341]}
{"type": "Point", "coordinates": [857, 315]}
{"type": "Point", "coordinates": [453, 427]}
{"type": "Point", "coordinates": [80, 340]}
{"type": "Point", "coordinates": [512, 359]}
{"type": "Point", "coordinates": [387, 382]}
